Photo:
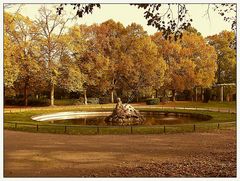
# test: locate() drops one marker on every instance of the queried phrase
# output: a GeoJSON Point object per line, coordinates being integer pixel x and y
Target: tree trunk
{"type": "Point", "coordinates": [156, 93]}
{"type": "Point", "coordinates": [221, 93]}
{"type": "Point", "coordinates": [25, 95]}
{"type": "Point", "coordinates": [52, 95]}
{"type": "Point", "coordinates": [202, 96]}
{"type": "Point", "coordinates": [112, 97]}
{"type": "Point", "coordinates": [207, 95]}
{"type": "Point", "coordinates": [85, 96]}
{"type": "Point", "coordinates": [174, 95]}
{"type": "Point", "coordinates": [4, 95]}
{"type": "Point", "coordinates": [192, 95]}
{"type": "Point", "coordinates": [227, 98]}
{"type": "Point", "coordinates": [219, 73]}
{"type": "Point", "coordinates": [113, 86]}
{"type": "Point", "coordinates": [196, 94]}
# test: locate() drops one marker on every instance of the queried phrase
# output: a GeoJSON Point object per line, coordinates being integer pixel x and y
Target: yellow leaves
{"type": "Point", "coordinates": [11, 71]}
{"type": "Point", "coordinates": [226, 56]}
{"type": "Point", "coordinates": [97, 54]}
{"type": "Point", "coordinates": [191, 61]}
{"type": "Point", "coordinates": [183, 74]}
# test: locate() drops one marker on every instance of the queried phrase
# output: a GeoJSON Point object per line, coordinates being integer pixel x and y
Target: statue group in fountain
{"type": "Point", "coordinates": [125, 114]}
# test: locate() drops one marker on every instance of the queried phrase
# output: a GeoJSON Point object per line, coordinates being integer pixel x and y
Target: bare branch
{"type": "Point", "coordinates": [207, 13]}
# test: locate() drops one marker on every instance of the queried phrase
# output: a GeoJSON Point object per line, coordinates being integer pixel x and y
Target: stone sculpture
{"type": "Point", "coordinates": [124, 114]}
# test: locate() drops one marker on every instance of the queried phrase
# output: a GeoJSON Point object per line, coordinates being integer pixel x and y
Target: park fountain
{"type": "Point", "coordinates": [122, 115]}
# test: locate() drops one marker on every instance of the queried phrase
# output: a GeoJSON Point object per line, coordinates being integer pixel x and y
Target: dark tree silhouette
{"type": "Point", "coordinates": [164, 16]}
{"type": "Point", "coordinates": [228, 12]}
{"type": "Point", "coordinates": [81, 9]}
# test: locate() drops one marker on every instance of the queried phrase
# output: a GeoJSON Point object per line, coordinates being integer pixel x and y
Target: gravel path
{"type": "Point", "coordinates": [173, 155]}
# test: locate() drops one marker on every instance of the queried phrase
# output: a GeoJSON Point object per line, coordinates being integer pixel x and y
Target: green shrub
{"type": "Point", "coordinates": [152, 101]}
{"type": "Point", "coordinates": [31, 102]}
{"type": "Point", "coordinates": [93, 100]}
{"type": "Point", "coordinates": [64, 102]}
{"type": "Point", "coordinates": [13, 102]}
{"type": "Point", "coordinates": [38, 102]}
{"type": "Point", "coordinates": [79, 101]}
{"type": "Point", "coordinates": [207, 95]}
{"type": "Point", "coordinates": [104, 100]}
{"type": "Point", "coordinates": [138, 99]}
{"type": "Point", "coordinates": [164, 99]}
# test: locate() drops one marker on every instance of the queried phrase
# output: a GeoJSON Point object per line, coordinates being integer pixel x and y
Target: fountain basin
{"type": "Point", "coordinates": [98, 118]}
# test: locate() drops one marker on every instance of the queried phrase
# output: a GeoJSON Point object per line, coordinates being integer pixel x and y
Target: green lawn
{"type": "Point", "coordinates": [210, 104]}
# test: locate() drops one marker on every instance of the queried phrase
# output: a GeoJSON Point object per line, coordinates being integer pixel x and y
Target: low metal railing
{"type": "Point", "coordinates": [140, 129]}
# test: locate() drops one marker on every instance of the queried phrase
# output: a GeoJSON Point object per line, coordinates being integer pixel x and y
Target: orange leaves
{"type": "Point", "coordinates": [191, 61]}
{"type": "Point", "coordinates": [226, 56]}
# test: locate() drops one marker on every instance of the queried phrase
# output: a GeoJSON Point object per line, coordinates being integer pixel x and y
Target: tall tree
{"type": "Point", "coordinates": [51, 27]}
{"type": "Point", "coordinates": [11, 68]}
{"type": "Point", "coordinates": [226, 56]}
{"type": "Point", "coordinates": [104, 46]}
{"type": "Point", "coordinates": [141, 66]}
{"type": "Point", "coordinates": [190, 61]}
{"type": "Point", "coordinates": [194, 47]}
{"type": "Point", "coordinates": [22, 33]}
{"type": "Point", "coordinates": [110, 33]}
{"type": "Point", "coordinates": [226, 60]}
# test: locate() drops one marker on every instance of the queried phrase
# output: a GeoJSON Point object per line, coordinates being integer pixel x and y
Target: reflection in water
{"type": "Point", "coordinates": [150, 119]}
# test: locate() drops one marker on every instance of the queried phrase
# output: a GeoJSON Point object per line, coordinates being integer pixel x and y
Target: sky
{"type": "Point", "coordinates": [127, 14]}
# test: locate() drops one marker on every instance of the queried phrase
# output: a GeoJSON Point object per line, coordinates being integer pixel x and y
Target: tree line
{"type": "Point", "coordinates": [108, 59]}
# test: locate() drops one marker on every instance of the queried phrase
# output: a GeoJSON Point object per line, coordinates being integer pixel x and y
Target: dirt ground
{"type": "Point", "coordinates": [171, 155]}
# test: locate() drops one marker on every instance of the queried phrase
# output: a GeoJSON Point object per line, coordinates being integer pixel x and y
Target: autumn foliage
{"type": "Point", "coordinates": [44, 56]}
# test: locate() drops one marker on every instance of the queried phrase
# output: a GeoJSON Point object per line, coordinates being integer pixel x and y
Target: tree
{"type": "Point", "coordinates": [11, 69]}
{"type": "Point", "coordinates": [22, 33]}
{"type": "Point", "coordinates": [106, 42]}
{"type": "Point", "coordinates": [86, 49]}
{"type": "Point", "coordinates": [133, 58]}
{"type": "Point", "coordinates": [115, 58]}
{"type": "Point", "coordinates": [169, 23]}
{"type": "Point", "coordinates": [70, 78]}
{"type": "Point", "coordinates": [51, 26]}
{"type": "Point", "coordinates": [226, 60]}
{"type": "Point", "coordinates": [171, 55]}
{"type": "Point", "coordinates": [207, 95]}
{"type": "Point", "coordinates": [203, 55]}
{"type": "Point", "coordinates": [226, 56]}
{"type": "Point", "coordinates": [81, 9]}
{"type": "Point", "coordinates": [190, 61]}
{"type": "Point", "coordinates": [140, 64]}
